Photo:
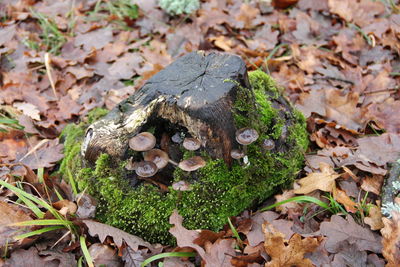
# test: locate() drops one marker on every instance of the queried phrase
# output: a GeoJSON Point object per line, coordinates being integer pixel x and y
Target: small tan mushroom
{"type": "Point", "coordinates": [159, 157]}
{"type": "Point", "coordinates": [181, 186]}
{"type": "Point", "coordinates": [237, 154]}
{"type": "Point", "coordinates": [131, 165]}
{"type": "Point", "coordinates": [268, 144]}
{"type": "Point", "coordinates": [192, 164]}
{"type": "Point", "coordinates": [191, 144]}
{"type": "Point", "coordinates": [142, 142]}
{"type": "Point", "coordinates": [246, 136]}
{"type": "Point", "coordinates": [146, 169]}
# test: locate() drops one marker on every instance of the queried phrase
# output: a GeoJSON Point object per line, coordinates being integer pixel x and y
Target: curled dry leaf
{"type": "Point", "coordinates": [65, 207]}
{"type": "Point", "coordinates": [289, 253]}
{"type": "Point", "coordinates": [391, 240]}
{"type": "Point", "coordinates": [341, 197]}
{"type": "Point", "coordinates": [374, 218]}
{"type": "Point", "coordinates": [103, 255]}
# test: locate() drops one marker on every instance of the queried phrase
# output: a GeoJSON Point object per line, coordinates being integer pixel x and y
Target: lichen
{"type": "Point", "coordinates": [220, 191]}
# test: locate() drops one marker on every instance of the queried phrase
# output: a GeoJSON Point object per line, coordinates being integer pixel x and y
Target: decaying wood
{"type": "Point", "coordinates": [192, 92]}
{"type": "Point", "coordinates": [195, 93]}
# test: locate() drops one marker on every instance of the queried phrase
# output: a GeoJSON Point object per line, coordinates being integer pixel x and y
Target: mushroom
{"type": "Point", "coordinates": [146, 169]}
{"type": "Point", "coordinates": [176, 138]}
{"type": "Point", "coordinates": [142, 142]}
{"type": "Point", "coordinates": [157, 156]}
{"type": "Point", "coordinates": [268, 144]}
{"type": "Point", "coordinates": [191, 144]}
{"type": "Point", "coordinates": [131, 165]}
{"type": "Point", "coordinates": [237, 154]}
{"type": "Point", "coordinates": [192, 164]}
{"type": "Point", "coordinates": [181, 186]}
{"type": "Point", "coordinates": [246, 136]}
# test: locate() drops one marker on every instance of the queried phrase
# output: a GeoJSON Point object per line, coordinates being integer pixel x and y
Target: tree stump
{"type": "Point", "coordinates": [211, 99]}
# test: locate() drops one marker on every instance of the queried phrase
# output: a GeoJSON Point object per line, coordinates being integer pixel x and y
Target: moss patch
{"type": "Point", "coordinates": [219, 192]}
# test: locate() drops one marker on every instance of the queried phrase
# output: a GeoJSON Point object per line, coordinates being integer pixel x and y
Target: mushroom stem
{"type": "Point", "coordinates": [173, 162]}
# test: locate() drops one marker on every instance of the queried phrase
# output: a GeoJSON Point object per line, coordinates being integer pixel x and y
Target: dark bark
{"type": "Point", "coordinates": [195, 92]}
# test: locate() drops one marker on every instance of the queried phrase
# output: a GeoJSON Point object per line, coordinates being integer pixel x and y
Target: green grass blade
{"type": "Point", "coordinates": [167, 254]}
{"type": "Point", "coordinates": [72, 182]}
{"type": "Point", "coordinates": [32, 206]}
{"type": "Point", "coordinates": [38, 232]}
{"type": "Point", "coordinates": [234, 232]}
{"type": "Point", "coordinates": [299, 199]}
{"type": "Point", "coordinates": [85, 252]}
{"type": "Point", "coordinates": [43, 222]}
{"type": "Point", "coordinates": [33, 198]}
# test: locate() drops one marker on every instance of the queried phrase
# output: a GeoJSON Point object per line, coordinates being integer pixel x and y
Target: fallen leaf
{"type": "Point", "coordinates": [28, 110]}
{"type": "Point", "coordinates": [349, 255]}
{"type": "Point", "coordinates": [284, 3]}
{"type": "Point", "coordinates": [104, 255]}
{"type": "Point", "coordinates": [324, 180]}
{"type": "Point", "coordinates": [255, 236]}
{"type": "Point", "coordinates": [11, 214]}
{"type": "Point", "coordinates": [341, 197]}
{"type": "Point", "coordinates": [374, 218]}
{"type": "Point", "coordinates": [373, 184]}
{"type": "Point", "coordinates": [340, 229]}
{"type": "Point", "coordinates": [44, 156]}
{"type": "Point", "coordinates": [289, 253]}
{"type": "Point", "coordinates": [31, 256]}
{"type": "Point", "coordinates": [119, 236]}
{"type": "Point", "coordinates": [391, 240]}
{"type": "Point", "coordinates": [292, 205]}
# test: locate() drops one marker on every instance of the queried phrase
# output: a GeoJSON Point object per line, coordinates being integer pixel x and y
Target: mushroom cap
{"type": "Point", "coordinates": [246, 136]}
{"type": "Point", "coordinates": [142, 142]}
{"type": "Point", "coordinates": [159, 157]}
{"type": "Point", "coordinates": [146, 169]}
{"type": "Point", "coordinates": [181, 186]}
{"type": "Point", "coordinates": [191, 144]}
{"type": "Point", "coordinates": [268, 144]}
{"type": "Point", "coordinates": [192, 164]}
{"type": "Point", "coordinates": [237, 154]}
{"type": "Point", "coordinates": [176, 138]}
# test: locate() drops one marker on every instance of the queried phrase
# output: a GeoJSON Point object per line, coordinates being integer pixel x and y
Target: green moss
{"type": "Point", "coordinates": [218, 192]}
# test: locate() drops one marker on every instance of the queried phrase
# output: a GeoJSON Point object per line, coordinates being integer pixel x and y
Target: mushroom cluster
{"type": "Point", "coordinates": [245, 137]}
{"type": "Point", "coordinates": [155, 159]}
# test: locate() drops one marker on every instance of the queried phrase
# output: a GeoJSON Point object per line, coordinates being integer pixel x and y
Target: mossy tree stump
{"type": "Point", "coordinates": [208, 97]}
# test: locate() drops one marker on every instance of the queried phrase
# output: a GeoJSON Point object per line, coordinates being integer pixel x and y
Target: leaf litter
{"type": "Point", "coordinates": [337, 60]}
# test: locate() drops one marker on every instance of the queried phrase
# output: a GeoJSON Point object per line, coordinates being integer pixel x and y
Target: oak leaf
{"type": "Point", "coordinates": [289, 253]}
{"type": "Point", "coordinates": [391, 240]}
{"type": "Point", "coordinates": [339, 230]}
{"type": "Point", "coordinates": [324, 181]}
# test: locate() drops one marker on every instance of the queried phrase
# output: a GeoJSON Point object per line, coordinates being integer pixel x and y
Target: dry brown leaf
{"type": "Point", "coordinates": [374, 218]}
{"type": "Point", "coordinates": [373, 184]}
{"type": "Point", "coordinates": [391, 240]}
{"type": "Point", "coordinates": [292, 205]}
{"type": "Point", "coordinates": [119, 236]}
{"type": "Point", "coordinates": [341, 197]}
{"type": "Point", "coordinates": [324, 180]}
{"type": "Point", "coordinates": [339, 230]}
{"type": "Point", "coordinates": [104, 255]}
{"type": "Point", "coordinates": [11, 214]}
{"type": "Point", "coordinates": [289, 253]}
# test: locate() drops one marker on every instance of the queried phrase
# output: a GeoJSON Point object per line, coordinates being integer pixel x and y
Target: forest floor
{"type": "Point", "coordinates": [337, 60]}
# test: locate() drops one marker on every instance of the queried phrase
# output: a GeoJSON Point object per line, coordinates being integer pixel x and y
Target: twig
{"type": "Point", "coordinates": [48, 70]}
